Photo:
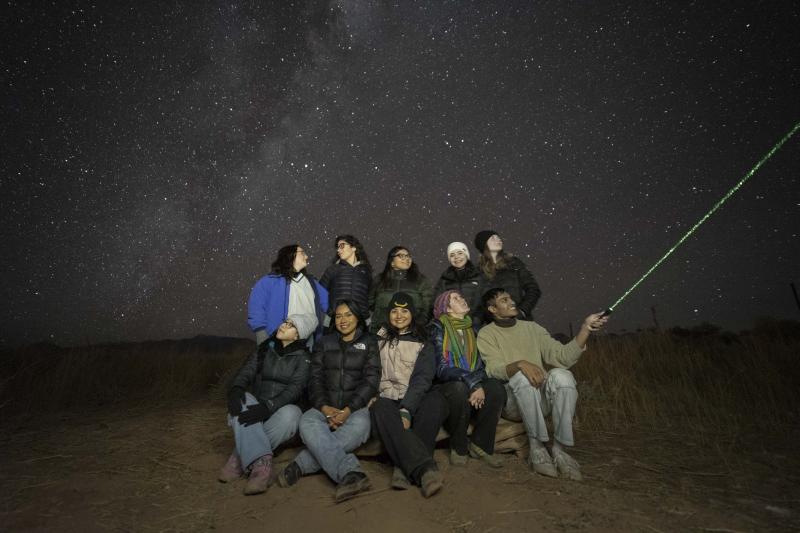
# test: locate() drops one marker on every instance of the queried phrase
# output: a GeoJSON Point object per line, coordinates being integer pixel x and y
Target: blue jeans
{"type": "Point", "coordinates": [257, 440]}
{"type": "Point", "coordinates": [330, 450]}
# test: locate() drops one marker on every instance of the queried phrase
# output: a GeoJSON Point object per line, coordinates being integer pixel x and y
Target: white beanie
{"type": "Point", "coordinates": [457, 246]}
{"type": "Point", "coordinates": [305, 324]}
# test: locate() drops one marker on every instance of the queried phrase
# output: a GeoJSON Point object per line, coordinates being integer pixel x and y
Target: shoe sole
{"type": "Point", "coordinates": [432, 488]}
{"type": "Point", "coordinates": [544, 471]}
{"type": "Point", "coordinates": [483, 458]}
{"type": "Point", "coordinates": [362, 485]}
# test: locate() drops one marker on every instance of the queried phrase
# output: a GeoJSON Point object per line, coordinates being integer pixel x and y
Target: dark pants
{"type": "Point", "coordinates": [411, 450]}
{"type": "Point", "coordinates": [456, 394]}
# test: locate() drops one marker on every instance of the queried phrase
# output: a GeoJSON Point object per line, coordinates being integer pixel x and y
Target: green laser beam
{"type": "Point", "coordinates": [710, 212]}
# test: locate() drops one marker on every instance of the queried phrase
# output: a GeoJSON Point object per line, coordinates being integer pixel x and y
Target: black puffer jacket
{"type": "Point", "coordinates": [344, 374]}
{"type": "Point", "coordinates": [345, 282]}
{"type": "Point", "coordinates": [274, 374]}
{"type": "Point", "coordinates": [517, 280]}
{"type": "Point", "coordinates": [467, 281]}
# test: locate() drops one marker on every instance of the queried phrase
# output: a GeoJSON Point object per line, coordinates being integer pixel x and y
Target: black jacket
{"type": "Point", "coordinates": [380, 297]}
{"type": "Point", "coordinates": [276, 375]}
{"type": "Point", "coordinates": [345, 282]}
{"type": "Point", "coordinates": [344, 374]}
{"type": "Point", "coordinates": [467, 281]}
{"type": "Point", "coordinates": [517, 280]}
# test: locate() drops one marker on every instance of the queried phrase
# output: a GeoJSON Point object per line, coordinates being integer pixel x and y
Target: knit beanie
{"type": "Point", "coordinates": [404, 301]}
{"type": "Point", "coordinates": [457, 246]}
{"type": "Point", "coordinates": [482, 237]}
{"type": "Point", "coordinates": [305, 324]}
{"type": "Point", "coordinates": [441, 303]}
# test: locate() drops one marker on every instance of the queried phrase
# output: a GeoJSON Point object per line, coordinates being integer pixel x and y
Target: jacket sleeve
{"type": "Point", "coordinates": [257, 306]}
{"type": "Point", "coordinates": [323, 298]}
{"type": "Point", "coordinates": [372, 377]}
{"type": "Point", "coordinates": [294, 388]}
{"type": "Point", "coordinates": [473, 379]}
{"type": "Point", "coordinates": [244, 378]}
{"type": "Point", "coordinates": [327, 277]}
{"type": "Point", "coordinates": [556, 354]}
{"type": "Point", "coordinates": [529, 288]}
{"type": "Point", "coordinates": [438, 288]}
{"type": "Point", "coordinates": [421, 379]}
{"type": "Point", "coordinates": [317, 391]}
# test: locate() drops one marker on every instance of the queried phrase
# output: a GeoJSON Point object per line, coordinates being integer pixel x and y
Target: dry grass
{"type": "Point", "coordinates": [699, 381]}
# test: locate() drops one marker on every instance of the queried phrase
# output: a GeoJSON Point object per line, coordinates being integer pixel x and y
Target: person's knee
{"type": "Point", "coordinates": [458, 390]}
{"type": "Point", "coordinates": [520, 384]}
{"type": "Point", "coordinates": [383, 406]}
{"type": "Point", "coordinates": [561, 378]}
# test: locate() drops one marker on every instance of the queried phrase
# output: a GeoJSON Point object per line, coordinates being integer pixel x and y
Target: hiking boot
{"type": "Point", "coordinates": [431, 483]}
{"type": "Point", "coordinates": [541, 462]}
{"type": "Point", "coordinates": [456, 459]}
{"type": "Point", "coordinates": [232, 469]}
{"type": "Point", "coordinates": [399, 480]}
{"type": "Point", "coordinates": [352, 483]}
{"type": "Point", "coordinates": [567, 466]}
{"type": "Point", "coordinates": [488, 458]}
{"type": "Point", "coordinates": [260, 473]}
{"type": "Point", "coordinates": [289, 475]}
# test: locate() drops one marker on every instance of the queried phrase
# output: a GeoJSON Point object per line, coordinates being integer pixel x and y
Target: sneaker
{"type": "Point", "coordinates": [260, 473]}
{"type": "Point", "coordinates": [488, 458]}
{"type": "Point", "coordinates": [541, 462]}
{"type": "Point", "coordinates": [289, 475]}
{"type": "Point", "coordinates": [456, 459]}
{"type": "Point", "coordinates": [567, 466]}
{"type": "Point", "coordinates": [431, 483]}
{"type": "Point", "coordinates": [232, 469]}
{"type": "Point", "coordinates": [399, 480]}
{"type": "Point", "coordinates": [352, 483]}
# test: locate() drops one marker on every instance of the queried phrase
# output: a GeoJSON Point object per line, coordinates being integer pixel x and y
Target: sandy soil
{"type": "Point", "coordinates": [154, 469]}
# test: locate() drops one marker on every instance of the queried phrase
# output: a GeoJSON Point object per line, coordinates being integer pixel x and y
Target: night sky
{"type": "Point", "coordinates": [156, 155]}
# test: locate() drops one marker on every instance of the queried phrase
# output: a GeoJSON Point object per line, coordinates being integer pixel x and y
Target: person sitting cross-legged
{"type": "Point", "coordinates": [345, 371]}
{"type": "Point", "coordinates": [515, 351]}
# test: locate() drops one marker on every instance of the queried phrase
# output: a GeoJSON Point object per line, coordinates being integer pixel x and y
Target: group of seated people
{"type": "Point", "coordinates": [400, 373]}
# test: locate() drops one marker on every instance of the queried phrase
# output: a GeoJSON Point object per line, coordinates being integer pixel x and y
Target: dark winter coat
{"type": "Point", "coordinates": [344, 374]}
{"type": "Point", "coordinates": [345, 282]}
{"type": "Point", "coordinates": [380, 297]}
{"type": "Point", "coordinates": [516, 280]}
{"type": "Point", "coordinates": [274, 374]}
{"type": "Point", "coordinates": [467, 281]}
{"type": "Point", "coordinates": [445, 372]}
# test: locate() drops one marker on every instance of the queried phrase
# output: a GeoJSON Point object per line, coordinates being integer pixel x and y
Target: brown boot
{"type": "Point", "coordinates": [232, 470]}
{"type": "Point", "coordinates": [260, 473]}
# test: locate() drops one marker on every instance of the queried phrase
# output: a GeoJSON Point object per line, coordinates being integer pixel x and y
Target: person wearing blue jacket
{"type": "Point", "coordinates": [466, 387]}
{"type": "Point", "coordinates": [287, 290]}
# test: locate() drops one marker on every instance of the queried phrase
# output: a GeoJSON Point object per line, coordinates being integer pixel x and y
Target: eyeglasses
{"type": "Point", "coordinates": [402, 255]}
{"type": "Point", "coordinates": [341, 245]}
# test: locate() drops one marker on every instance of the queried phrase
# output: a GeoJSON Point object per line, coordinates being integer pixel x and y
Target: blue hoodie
{"type": "Point", "coordinates": [269, 303]}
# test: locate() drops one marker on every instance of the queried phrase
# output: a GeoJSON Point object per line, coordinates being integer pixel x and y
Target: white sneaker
{"type": "Point", "coordinates": [541, 462]}
{"type": "Point", "coordinates": [567, 466]}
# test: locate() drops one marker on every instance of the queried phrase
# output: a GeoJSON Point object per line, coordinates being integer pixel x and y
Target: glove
{"type": "Point", "coordinates": [235, 401]}
{"type": "Point", "coordinates": [254, 414]}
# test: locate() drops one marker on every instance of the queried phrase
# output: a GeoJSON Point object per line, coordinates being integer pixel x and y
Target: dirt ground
{"type": "Point", "coordinates": [154, 469]}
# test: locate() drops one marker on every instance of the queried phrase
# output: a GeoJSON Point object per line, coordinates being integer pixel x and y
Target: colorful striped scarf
{"type": "Point", "coordinates": [458, 353]}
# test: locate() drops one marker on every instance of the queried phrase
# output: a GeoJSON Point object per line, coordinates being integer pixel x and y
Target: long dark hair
{"type": "Point", "coordinates": [490, 267]}
{"type": "Point", "coordinates": [361, 255]}
{"type": "Point", "coordinates": [284, 263]}
{"type": "Point", "coordinates": [412, 274]}
{"type": "Point", "coordinates": [393, 334]}
{"type": "Point", "coordinates": [362, 322]}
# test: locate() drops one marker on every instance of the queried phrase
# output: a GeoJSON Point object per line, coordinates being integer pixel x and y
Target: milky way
{"type": "Point", "coordinates": [155, 157]}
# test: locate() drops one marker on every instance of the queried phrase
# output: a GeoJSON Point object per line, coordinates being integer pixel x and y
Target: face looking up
{"type": "Point", "coordinates": [457, 305]}
{"type": "Point", "coordinates": [458, 258]}
{"type": "Point", "coordinates": [495, 243]}
{"type": "Point", "coordinates": [287, 332]}
{"type": "Point", "coordinates": [400, 318]}
{"type": "Point", "coordinates": [300, 259]}
{"type": "Point", "coordinates": [401, 260]}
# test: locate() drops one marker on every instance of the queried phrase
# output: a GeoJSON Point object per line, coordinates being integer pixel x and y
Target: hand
{"type": "Point", "coordinates": [535, 374]}
{"type": "Point", "coordinates": [477, 398]}
{"type": "Point", "coordinates": [595, 321]}
{"type": "Point", "coordinates": [341, 417]}
{"type": "Point", "coordinates": [406, 423]}
{"type": "Point", "coordinates": [254, 414]}
{"type": "Point", "coordinates": [235, 401]}
{"type": "Point", "coordinates": [330, 415]}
